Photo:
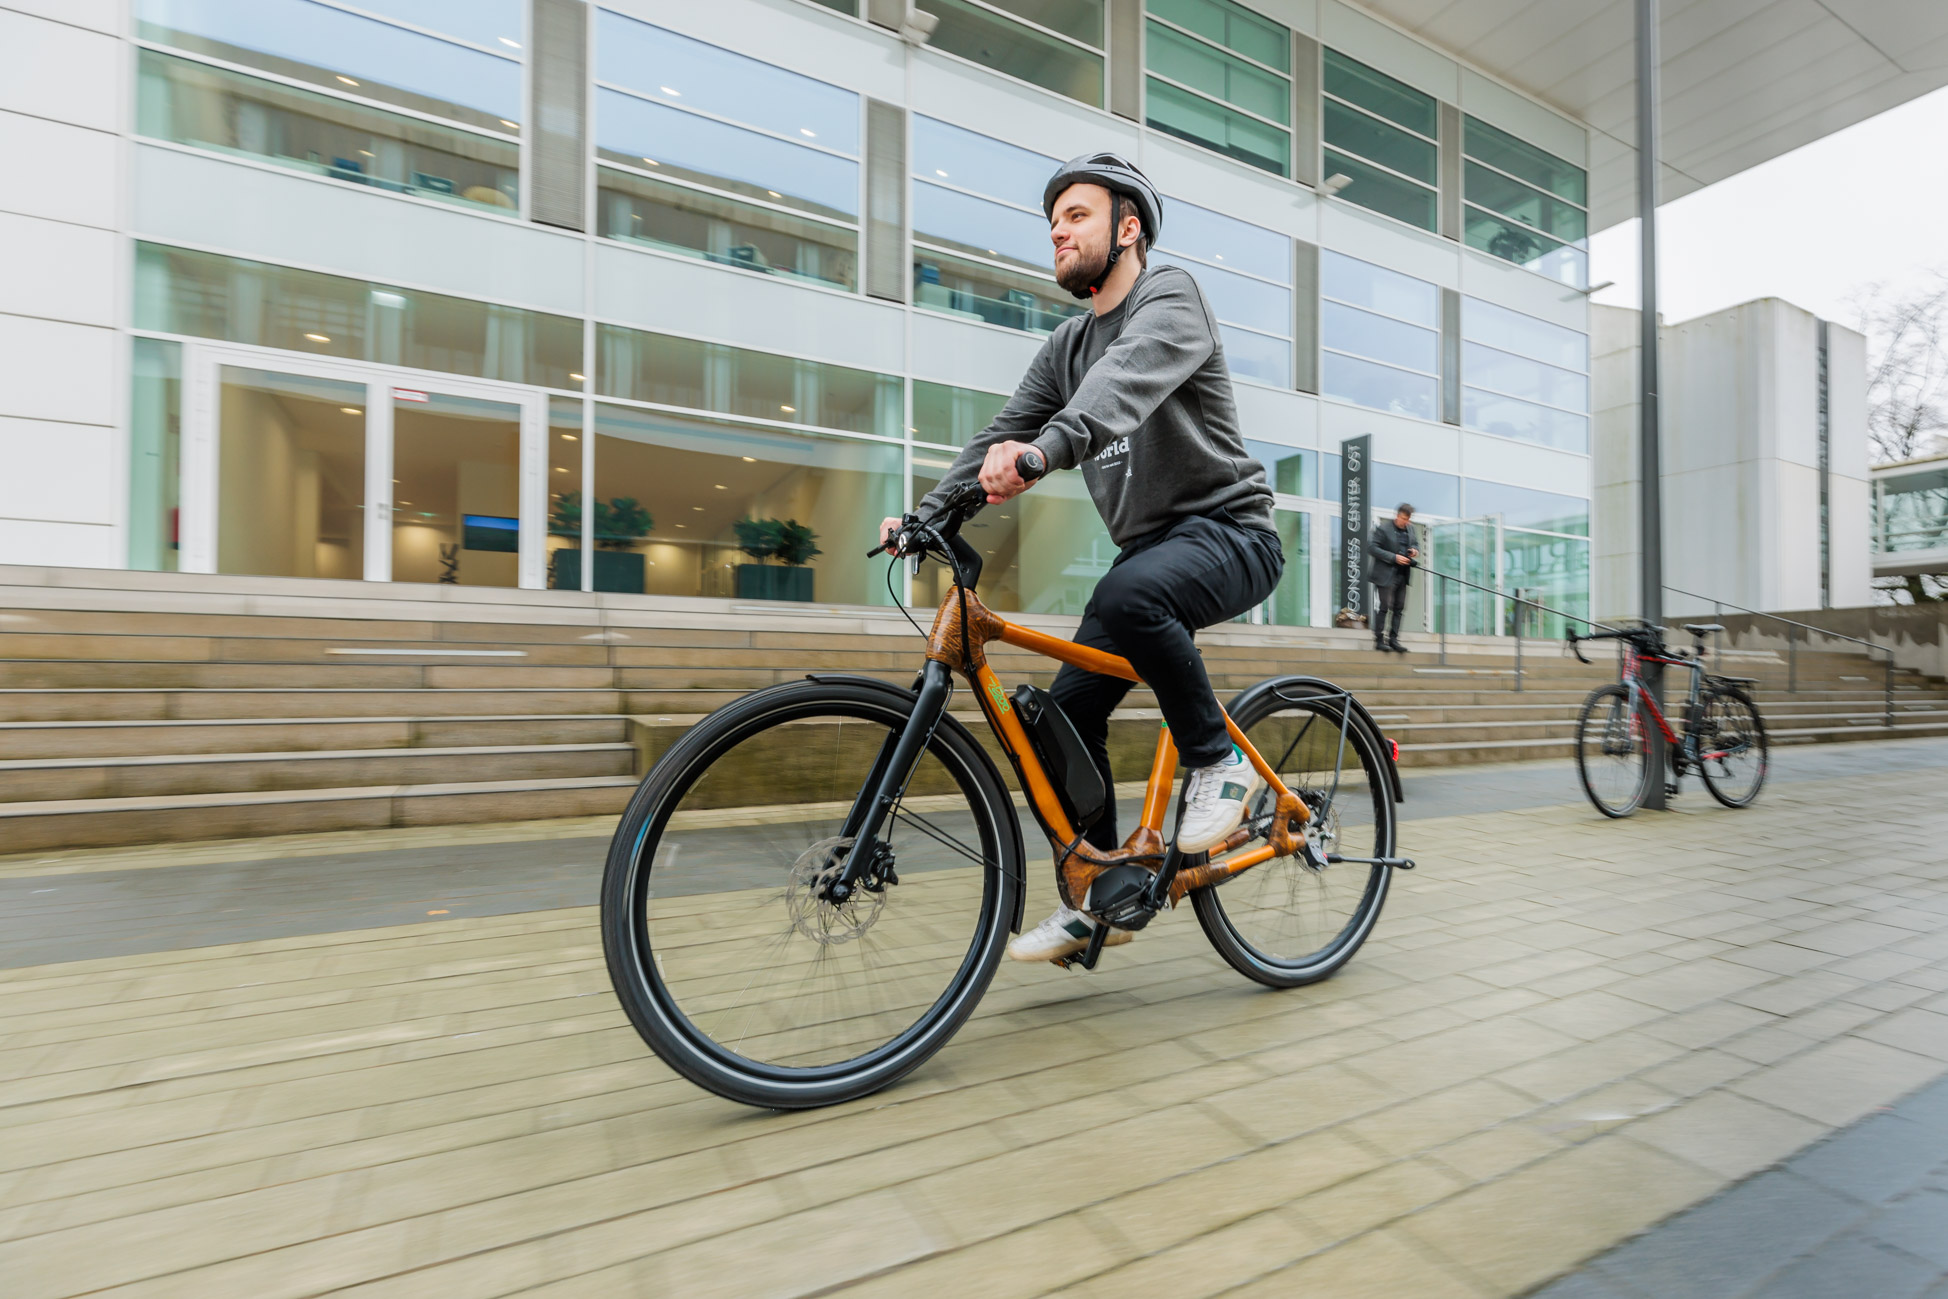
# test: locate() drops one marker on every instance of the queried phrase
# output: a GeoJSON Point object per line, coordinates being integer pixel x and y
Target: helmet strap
{"type": "Point", "coordinates": [1115, 247]}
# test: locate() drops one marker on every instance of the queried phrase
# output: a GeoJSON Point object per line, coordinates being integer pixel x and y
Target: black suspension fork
{"type": "Point", "coordinates": [891, 771]}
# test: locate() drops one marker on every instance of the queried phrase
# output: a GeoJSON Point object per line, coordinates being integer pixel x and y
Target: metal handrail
{"type": "Point", "coordinates": [1516, 599]}
{"type": "Point", "coordinates": [1792, 647]}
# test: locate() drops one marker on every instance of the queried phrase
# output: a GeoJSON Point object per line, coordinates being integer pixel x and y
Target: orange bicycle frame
{"type": "Point", "coordinates": [960, 646]}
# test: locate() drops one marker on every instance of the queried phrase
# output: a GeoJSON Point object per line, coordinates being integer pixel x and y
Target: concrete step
{"type": "Point", "coordinates": [109, 822]}
{"type": "Point", "coordinates": [84, 739]}
{"type": "Point", "coordinates": [79, 705]}
{"type": "Point", "coordinates": [43, 779]}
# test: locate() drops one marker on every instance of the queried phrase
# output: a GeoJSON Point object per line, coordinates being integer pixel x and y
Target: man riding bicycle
{"type": "Point", "coordinates": [1135, 393]}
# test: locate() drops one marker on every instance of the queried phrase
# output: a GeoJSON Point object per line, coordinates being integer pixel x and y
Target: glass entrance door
{"type": "Point", "coordinates": [308, 467]}
{"type": "Point", "coordinates": [291, 474]}
{"type": "Point", "coordinates": [456, 489]}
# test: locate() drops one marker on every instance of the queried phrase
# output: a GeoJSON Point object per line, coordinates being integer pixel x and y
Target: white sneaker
{"type": "Point", "coordinates": [1214, 802]}
{"type": "Point", "coordinates": [1063, 934]}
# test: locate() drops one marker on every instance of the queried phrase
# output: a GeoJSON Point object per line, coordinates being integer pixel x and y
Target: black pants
{"type": "Point", "coordinates": [1157, 593]}
{"type": "Point", "coordinates": [1388, 602]}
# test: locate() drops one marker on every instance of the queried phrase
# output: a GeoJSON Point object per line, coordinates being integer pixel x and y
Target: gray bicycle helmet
{"type": "Point", "coordinates": [1121, 178]}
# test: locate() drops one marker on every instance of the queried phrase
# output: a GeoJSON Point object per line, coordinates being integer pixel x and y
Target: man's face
{"type": "Point", "coordinates": [1402, 519]}
{"type": "Point", "coordinates": [1080, 229]}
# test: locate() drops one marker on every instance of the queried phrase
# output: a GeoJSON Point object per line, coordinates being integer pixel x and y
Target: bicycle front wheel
{"type": "Point", "coordinates": [1613, 751]}
{"type": "Point", "coordinates": [720, 946]}
{"type": "Point", "coordinates": [1732, 754]}
{"type": "Point", "coordinates": [1282, 923]}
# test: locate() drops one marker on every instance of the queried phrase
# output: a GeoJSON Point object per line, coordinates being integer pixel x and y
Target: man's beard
{"type": "Point", "coordinates": [1089, 264]}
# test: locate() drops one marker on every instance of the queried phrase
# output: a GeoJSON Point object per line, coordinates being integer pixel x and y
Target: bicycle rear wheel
{"type": "Point", "coordinates": [719, 946]}
{"type": "Point", "coordinates": [1282, 923]}
{"type": "Point", "coordinates": [1613, 751]}
{"type": "Point", "coordinates": [1732, 755]}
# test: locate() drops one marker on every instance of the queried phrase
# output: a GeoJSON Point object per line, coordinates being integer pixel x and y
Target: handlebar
{"type": "Point", "coordinates": [962, 504]}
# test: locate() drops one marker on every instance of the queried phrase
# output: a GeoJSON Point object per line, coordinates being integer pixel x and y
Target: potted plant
{"type": "Point", "coordinates": [619, 524]}
{"type": "Point", "coordinates": [788, 541]}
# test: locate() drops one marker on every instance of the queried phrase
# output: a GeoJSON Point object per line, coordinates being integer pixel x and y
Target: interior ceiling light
{"type": "Point", "coordinates": [774, 193]}
{"type": "Point", "coordinates": [808, 132]}
{"type": "Point", "coordinates": [351, 410]}
{"type": "Point", "coordinates": [789, 410]}
{"type": "Point", "coordinates": [652, 162]}
{"type": "Point", "coordinates": [347, 80]}
{"type": "Point", "coordinates": [561, 469]}
{"type": "Point", "coordinates": [697, 508]}
{"type": "Point", "coordinates": [569, 437]}
{"type": "Point", "coordinates": [666, 90]}
{"type": "Point", "coordinates": [510, 43]}
{"type": "Point", "coordinates": [718, 486]}
{"type": "Point", "coordinates": [940, 173]}
{"type": "Point", "coordinates": [750, 460]}
{"type": "Point", "coordinates": [318, 338]}
{"type": "Point", "coordinates": [512, 126]}
{"type": "Point", "coordinates": [576, 377]}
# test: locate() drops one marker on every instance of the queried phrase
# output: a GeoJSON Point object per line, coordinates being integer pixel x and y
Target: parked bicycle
{"type": "Point", "coordinates": [1723, 740]}
{"type": "Point", "coordinates": [811, 890]}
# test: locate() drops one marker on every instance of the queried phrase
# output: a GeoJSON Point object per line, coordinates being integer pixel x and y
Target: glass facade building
{"type": "Point", "coordinates": [678, 301]}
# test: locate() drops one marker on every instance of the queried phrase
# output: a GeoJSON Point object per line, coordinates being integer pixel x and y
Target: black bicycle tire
{"type": "Point", "coordinates": [1765, 747]}
{"type": "Point", "coordinates": [1208, 903]}
{"type": "Point", "coordinates": [1612, 691]}
{"type": "Point", "coordinates": [638, 983]}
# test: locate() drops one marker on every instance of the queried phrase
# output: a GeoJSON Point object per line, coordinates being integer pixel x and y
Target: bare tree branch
{"type": "Point", "coordinates": [1907, 383]}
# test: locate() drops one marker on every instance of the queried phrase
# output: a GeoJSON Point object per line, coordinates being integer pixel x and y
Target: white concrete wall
{"type": "Point", "coordinates": [63, 366]}
{"type": "Point", "coordinates": [1740, 461]}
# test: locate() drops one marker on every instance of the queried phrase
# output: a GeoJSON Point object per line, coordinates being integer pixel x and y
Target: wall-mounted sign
{"type": "Point", "coordinates": [1353, 511]}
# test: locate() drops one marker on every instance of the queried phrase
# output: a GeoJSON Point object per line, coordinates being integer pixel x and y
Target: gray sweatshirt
{"type": "Point", "coordinates": [1139, 397]}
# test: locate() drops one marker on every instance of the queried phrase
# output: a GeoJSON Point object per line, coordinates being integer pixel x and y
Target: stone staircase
{"type": "Point", "coordinates": [139, 708]}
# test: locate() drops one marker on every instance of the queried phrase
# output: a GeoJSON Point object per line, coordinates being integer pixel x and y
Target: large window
{"type": "Point", "coordinates": [1381, 135]}
{"type": "Point", "coordinates": [1525, 205]}
{"type": "Point", "coordinates": [1246, 274]}
{"type": "Point", "coordinates": [448, 74]}
{"type": "Point", "coordinates": [980, 242]}
{"type": "Point", "coordinates": [155, 454]}
{"type": "Point", "coordinates": [1528, 507]}
{"type": "Point", "coordinates": [1911, 510]}
{"type": "Point", "coordinates": [1042, 552]}
{"type": "Point", "coordinates": [1379, 336]}
{"type": "Point", "coordinates": [711, 155]}
{"type": "Point", "coordinates": [692, 506]}
{"type": "Point", "coordinates": [1523, 377]}
{"type": "Point", "coordinates": [949, 416]}
{"type": "Point", "coordinates": [1290, 603]}
{"type": "Point", "coordinates": [182, 292]}
{"type": "Point", "coordinates": [684, 372]}
{"type": "Point", "coordinates": [1055, 44]}
{"type": "Point", "coordinates": [1220, 76]}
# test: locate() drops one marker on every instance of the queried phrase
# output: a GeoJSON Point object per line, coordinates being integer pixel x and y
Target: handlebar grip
{"type": "Point", "coordinates": [1030, 465]}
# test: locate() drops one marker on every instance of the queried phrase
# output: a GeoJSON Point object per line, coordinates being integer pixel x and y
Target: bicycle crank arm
{"type": "Point", "coordinates": [1398, 863]}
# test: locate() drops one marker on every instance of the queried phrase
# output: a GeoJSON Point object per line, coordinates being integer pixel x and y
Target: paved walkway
{"type": "Point", "coordinates": [1563, 1032]}
{"type": "Point", "coordinates": [1861, 1214]}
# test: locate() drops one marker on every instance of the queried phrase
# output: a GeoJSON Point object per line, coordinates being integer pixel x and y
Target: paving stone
{"type": "Point", "coordinates": [1851, 1267]}
{"type": "Point", "coordinates": [1875, 1159]}
{"type": "Point", "coordinates": [1728, 1245]}
{"type": "Point", "coordinates": [1917, 1223]}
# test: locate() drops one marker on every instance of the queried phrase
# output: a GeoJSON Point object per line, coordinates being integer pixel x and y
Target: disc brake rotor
{"type": "Point", "coordinates": [811, 914]}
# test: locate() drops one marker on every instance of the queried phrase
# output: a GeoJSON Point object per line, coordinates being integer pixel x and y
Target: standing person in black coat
{"type": "Point", "coordinates": [1391, 556]}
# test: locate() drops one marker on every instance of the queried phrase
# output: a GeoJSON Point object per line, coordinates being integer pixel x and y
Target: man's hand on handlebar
{"type": "Point", "coordinates": [1001, 473]}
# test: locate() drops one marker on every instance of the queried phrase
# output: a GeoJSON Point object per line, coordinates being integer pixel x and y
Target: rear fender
{"type": "Point", "coordinates": [1320, 686]}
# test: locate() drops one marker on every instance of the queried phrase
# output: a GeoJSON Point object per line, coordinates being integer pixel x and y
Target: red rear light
{"type": "Point", "coordinates": [1395, 746]}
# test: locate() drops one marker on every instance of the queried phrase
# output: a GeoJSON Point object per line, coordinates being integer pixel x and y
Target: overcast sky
{"type": "Point", "coordinates": [1868, 203]}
